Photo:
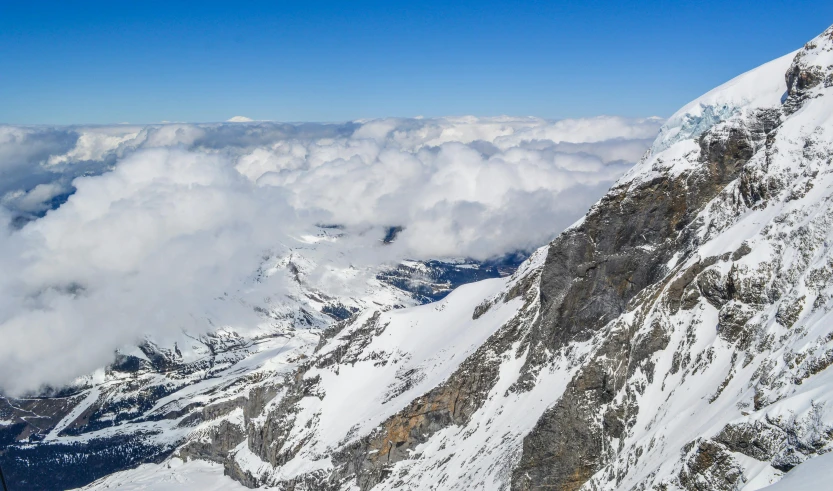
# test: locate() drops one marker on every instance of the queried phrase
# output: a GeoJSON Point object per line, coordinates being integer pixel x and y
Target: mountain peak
{"type": "Point", "coordinates": [812, 67]}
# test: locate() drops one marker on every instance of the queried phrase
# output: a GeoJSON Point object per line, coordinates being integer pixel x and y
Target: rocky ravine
{"type": "Point", "coordinates": [678, 337]}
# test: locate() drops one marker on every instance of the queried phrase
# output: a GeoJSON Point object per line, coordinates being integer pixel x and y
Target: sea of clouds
{"type": "Point", "coordinates": [112, 233]}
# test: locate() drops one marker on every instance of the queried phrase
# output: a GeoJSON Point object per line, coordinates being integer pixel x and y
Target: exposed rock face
{"type": "Point", "coordinates": [452, 403]}
{"type": "Point", "coordinates": [215, 443]}
{"type": "Point", "coordinates": [623, 245]}
{"type": "Point", "coordinates": [810, 70]}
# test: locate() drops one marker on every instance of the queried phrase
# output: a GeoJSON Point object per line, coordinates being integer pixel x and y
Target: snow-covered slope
{"type": "Point", "coordinates": [679, 337]}
{"type": "Point", "coordinates": [376, 367]}
{"type": "Point", "coordinates": [190, 394]}
{"type": "Point", "coordinates": [173, 475]}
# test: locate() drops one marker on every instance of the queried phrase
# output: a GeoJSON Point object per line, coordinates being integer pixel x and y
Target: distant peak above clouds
{"type": "Point", "coordinates": [239, 119]}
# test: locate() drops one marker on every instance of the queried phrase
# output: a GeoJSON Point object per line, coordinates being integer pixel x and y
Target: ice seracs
{"type": "Point", "coordinates": [761, 87]}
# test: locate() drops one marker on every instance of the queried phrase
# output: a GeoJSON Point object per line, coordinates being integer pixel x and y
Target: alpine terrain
{"type": "Point", "coordinates": [678, 337]}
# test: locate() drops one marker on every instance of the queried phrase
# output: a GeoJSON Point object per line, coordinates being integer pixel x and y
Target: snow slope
{"type": "Point", "coordinates": [174, 475]}
{"type": "Point", "coordinates": [812, 476]}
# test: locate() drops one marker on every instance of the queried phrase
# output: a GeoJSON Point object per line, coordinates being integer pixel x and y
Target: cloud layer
{"type": "Point", "coordinates": [112, 233]}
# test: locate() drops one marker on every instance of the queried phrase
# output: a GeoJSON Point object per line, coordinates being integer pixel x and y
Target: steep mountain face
{"type": "Point", "coordinates": [676, 338]}
{"type": "Point", "coordinates": [720, 326]}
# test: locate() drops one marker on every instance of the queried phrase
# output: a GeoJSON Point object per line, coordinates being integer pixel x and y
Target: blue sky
{"type": "Point", "coordinates": [147, 61]}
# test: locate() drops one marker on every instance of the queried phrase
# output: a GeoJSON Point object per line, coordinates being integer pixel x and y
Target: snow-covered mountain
{"type": "Point", "coordinates": [678, 337]}
{"type": "Point", "coordinates": [190, 396]}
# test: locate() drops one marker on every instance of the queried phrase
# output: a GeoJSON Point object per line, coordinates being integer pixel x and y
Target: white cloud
{"type": "Point", "coordinates": [165, 218]}
{"type": "Point", "coordinates": [239, 119]}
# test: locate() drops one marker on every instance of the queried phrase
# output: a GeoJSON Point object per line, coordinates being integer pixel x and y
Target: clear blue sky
{"type": "Point", "coordinates": [147, 61]}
